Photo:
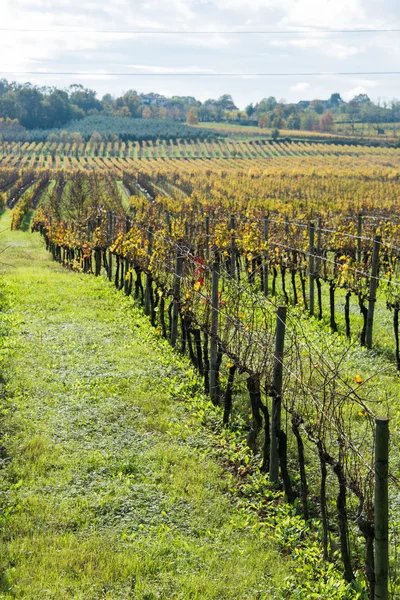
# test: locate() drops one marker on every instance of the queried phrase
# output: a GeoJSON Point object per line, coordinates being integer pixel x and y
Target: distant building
{"type": "Point", "coordinates": [153, 99]}
{"type": "Point", "coordinates": [303, 104]}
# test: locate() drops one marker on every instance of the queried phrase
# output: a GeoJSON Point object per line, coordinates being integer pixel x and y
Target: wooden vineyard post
{"type": "Point", "coordinates": [373, 284]}
{"type": "Point", "coordinates": [381, 509]}
{"type": "Point", "coordinates": [233, 246]}
{"type": "Point", "coordinates": [318, 268]}
{"type": "Point", "coordinates": [168, 222]}
{"type": "Point", "coordinates": [128, 275]}
{"type": "Point", "coordinates": [207, 238]}
{"type": "Point", "coordinates": [319, 242]}
{"type": "Point", "coordinates": [147, 297]}
{"type": "Point", "coordinates": [110, 241]}
{"type": "Point", "coordinates": [359, 233]}
{"type": "Point", "coordinates": [277, 392]}
{"type": "Point", "coordinates": [97, 252]}
{"type": "Point", "coordinates": [265, 254]}
{"type": "Point", "coordinates": [214, 333]}
{"type": "Point", "coordinates": [177, 288]}
{"type": "Point", "coordinates": [311, 274]}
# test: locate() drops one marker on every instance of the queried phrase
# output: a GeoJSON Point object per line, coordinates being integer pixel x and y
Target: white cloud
{"type": "Point", "coordinates": [341, 51]}
{"type": "Point", "coordinates": [323, 13]}
{"type": "Point", "coordinates": [349, 95]}
{"type": "Point", "coordinates": [169, 70]}
{"type": "Point", "coordinates": [301, 86]}
{"type": "Point", "coordinates": [303, 13]}
{"type": "Point", "coordinates": [323, 43]}
{"type": "Point", "coordinates": [367, 83]}
{"type": "Point", "coordinates": [311, 42]}
{"type": "Point", "coordinates": [212, 41]}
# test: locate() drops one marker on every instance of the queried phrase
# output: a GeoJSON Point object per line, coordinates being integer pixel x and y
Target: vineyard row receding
{"type": "Point", "coordinates": [213, 256]}
{"type": "Point", "coordinates": [237, 154]}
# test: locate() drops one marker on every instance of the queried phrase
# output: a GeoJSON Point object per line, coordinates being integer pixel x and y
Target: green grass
{"type": "Point", "coordinates": [107, 487]}
{"type": "Point", "coordinates": [124, 193]}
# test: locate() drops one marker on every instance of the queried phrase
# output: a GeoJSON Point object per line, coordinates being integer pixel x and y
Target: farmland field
{"type": "Point", "coordinates": [224, 153]}
{"type": "Point", "coordinates": [343, 129]}
{"type": "Point", "coordinates": [216, 247]}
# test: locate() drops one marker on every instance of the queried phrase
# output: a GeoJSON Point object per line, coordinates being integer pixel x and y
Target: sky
{"type": "Point", "coordinates": [93, 38]}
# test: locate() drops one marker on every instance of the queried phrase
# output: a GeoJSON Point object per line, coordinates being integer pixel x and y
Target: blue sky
{"type": "Point", "coordinates": [101, 53]}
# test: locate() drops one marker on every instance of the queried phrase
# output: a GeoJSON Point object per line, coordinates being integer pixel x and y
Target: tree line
{"type": "Point", "coordinates": [25, 106]}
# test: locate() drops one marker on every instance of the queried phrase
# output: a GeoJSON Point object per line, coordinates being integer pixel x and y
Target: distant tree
{"type": "Point", "coordinates": [11, 107]}
{"type": "Point", "coordinates": [146, 113]}
{"type": "Point", "coordinates": [76, 137]}
{"type": "Point", "coordinates": [335, 100]}
{"type": "Point", "coordinates": [175, 114]}
{"type": "Point", "coordinates": [59, 109]}
{"type": "Point", "coordinates": [191, 117]}
{"type": "Point", "coordinates": [275, 134]}
{"type": "Point", "coordinates": [266, 105]}
{"type": "Point", "coordinates": [10, 126]}
{"type": "Point", "coordinates": [318, 106]}
{"type": "Point", "coordinates": [361, 99]}
{"type": "Point", "coordinates": [95, 138]}
{"type": "Point", "coordinates": [294, 121]}
{"type": "Point", "coordinates": [250, 109]}
{"type": "Point", "coordinates": [155, 112]}
{"type": "Point", "coordinates": [226, 102]}
{"type": "Point", "coordinates": [4, 87]}
{"type": "Point", "coordinates": [108, 105]}
{"type": "Point", "coordinates": [309, 120]}
{"type": "Point", "coordinates": [64, 136]}
{"type": "Point", "coordinates": [204, 113]}
{"type": "Point", "coordinates": [163, 112]}
{"type": "Point", "coordinates": [84, 98]}
{"type": "Point", "coordinates": [276, 120]}
{"type": "Point", "coordinates": [219, 114]}
{"type": "Point", "coordinates": [240, 115]}
{"type": "Point", "coordinates": [263, 122]}
{"type": "Point", "coordinates": [326, 122]}
{"type": "Point", "coordinates": [123, 112]}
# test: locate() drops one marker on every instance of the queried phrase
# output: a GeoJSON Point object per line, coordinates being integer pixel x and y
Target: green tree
{"type": "Point", "coordinates": [250, 109]}
{"type": "Point", "coordinates": [318, 106]}
{"type": "Point", "coordinates": [132, 101]}
{"type": "Point", "coordinates": [84, 98]}
{"type": "Point", "coordinates": [309, 120]}
{"type": "Point", "coordinates": [335, 100]}
{"type": "Point", "coordinates": [275, 134]}
{"type": "Point", "coordinates": [294, 121]}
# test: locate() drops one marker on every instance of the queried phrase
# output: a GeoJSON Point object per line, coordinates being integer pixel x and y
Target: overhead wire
{"type": "Point", "coordinates": [308, 31]}
{"type": "Point", "coordinates": [202, 74]}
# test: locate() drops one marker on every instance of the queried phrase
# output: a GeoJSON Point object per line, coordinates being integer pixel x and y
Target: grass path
{"type": "Point", "coordinates": [106, 490]}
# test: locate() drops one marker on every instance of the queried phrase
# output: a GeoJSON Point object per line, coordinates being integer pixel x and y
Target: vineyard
{"type": "Point", "coordinates": [275, 268]}
{"type": "Point", "coordinates": [342, 131]}
{"type": "Point", "coordinates": [224, 154]}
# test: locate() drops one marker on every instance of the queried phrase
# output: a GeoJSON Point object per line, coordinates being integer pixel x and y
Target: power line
{"type": "Point", "coordinates": [204, 32]}
{"type": "Point", "coordinates": [160, 74]}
